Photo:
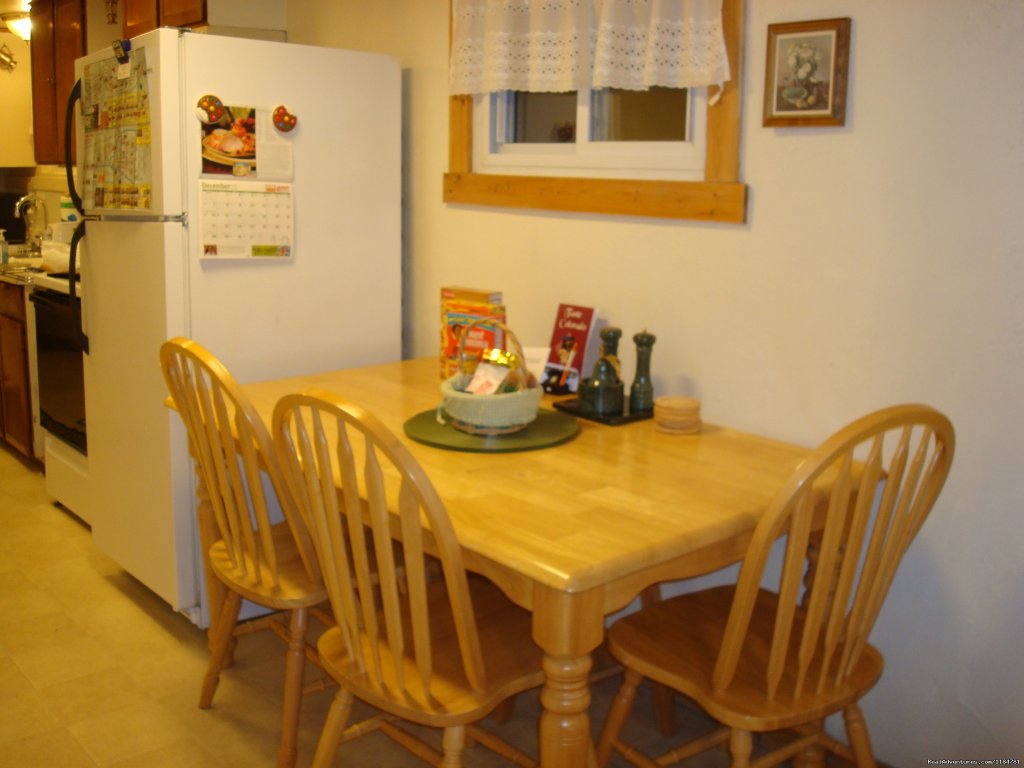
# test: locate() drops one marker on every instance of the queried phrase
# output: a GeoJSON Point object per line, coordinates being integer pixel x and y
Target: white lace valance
{"type": "Point", "coordinates": [566, 45]}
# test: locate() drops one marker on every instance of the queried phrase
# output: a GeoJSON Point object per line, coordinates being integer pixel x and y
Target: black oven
{"type": "Point", "coordinates": [59, 363]}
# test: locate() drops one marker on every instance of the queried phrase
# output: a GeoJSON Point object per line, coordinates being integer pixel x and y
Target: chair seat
{"type": "Point", "coordinates": [676, 642]}
{"type": "Point", "coordinates": [293, 590]}
{"type": "Point", "coordinates": [513, 662]}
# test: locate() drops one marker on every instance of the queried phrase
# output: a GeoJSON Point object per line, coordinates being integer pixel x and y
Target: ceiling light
{"type": "Point", "coordinates": [18, 23]}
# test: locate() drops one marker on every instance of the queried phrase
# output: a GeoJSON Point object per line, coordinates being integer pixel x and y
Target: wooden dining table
{"type": "Point", "coordinates": [576, 531]}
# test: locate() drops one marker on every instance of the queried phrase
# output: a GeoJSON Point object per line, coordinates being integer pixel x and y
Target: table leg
{"type": "Point", "coordinates": [568, 627]}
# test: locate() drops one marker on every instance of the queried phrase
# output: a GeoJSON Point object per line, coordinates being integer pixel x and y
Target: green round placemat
{"type": "Point", "coordinates": [549, 428]}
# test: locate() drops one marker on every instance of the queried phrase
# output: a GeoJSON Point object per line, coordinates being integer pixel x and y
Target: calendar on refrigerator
{"type": "Point", "coordinates": [246, 219]}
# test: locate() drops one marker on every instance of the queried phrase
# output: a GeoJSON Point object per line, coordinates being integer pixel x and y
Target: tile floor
{"type": "Point", "coordinates": [97, 671]}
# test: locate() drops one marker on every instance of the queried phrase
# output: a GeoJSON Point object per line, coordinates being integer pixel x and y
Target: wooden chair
{"type": "Point", "coordinates": [424, 642]}
{"type": "Point", "coordinates": [759, 660]}
{"type": "Point", "coordinates": [246, 555]}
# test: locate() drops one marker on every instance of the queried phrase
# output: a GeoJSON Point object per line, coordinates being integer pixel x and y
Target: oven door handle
{"type": "Point", "coordinates": [48, 297]}
{"type": "Point", "coordinates": [76, 303]}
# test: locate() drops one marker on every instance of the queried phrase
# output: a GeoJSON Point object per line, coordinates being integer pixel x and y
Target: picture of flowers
{"type": "Point", "coordinates": [806, 72]}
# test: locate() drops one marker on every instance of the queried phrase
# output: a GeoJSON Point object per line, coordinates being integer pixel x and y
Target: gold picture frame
{"type": "Point", "coordinates": [806, 73]}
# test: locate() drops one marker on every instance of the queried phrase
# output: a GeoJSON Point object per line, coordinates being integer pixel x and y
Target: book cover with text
{"type": "Point", "coordinates": [572, 349]}
{"type": "Point", "coordinates": [460, 307]}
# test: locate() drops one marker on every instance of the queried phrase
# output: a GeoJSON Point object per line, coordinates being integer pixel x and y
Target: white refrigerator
{"type": "Point", "coordinates": [242, 193]}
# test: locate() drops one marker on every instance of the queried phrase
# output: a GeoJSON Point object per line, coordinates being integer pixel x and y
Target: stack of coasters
{"type": "Point", "coordinates": [677, 415]}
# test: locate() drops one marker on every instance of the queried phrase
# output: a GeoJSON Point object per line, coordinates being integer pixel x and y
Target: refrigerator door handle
{"type": "Point", "coordinates": [69, 138]}
{"type": "Point", "coordinates": [76, 302]}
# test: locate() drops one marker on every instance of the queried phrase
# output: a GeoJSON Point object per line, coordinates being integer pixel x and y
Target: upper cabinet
{"type": "Point", "coordinates": [139, 16]}
{"type": "Point", "coordinates": [146, 15]}
{"type": "Point", "coordinates": [267, 19]}
{"type": "Point", "coordinates": [58, 38]}
{"type": "Point", "coordinates": [182, 13]}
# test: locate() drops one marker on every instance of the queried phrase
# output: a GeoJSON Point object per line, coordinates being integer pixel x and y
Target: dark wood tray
{"type": "Point", "coordinates": [575, 407]}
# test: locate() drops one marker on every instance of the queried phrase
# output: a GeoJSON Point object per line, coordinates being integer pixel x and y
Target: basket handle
{"type": "Point", "coordinates": [518, 350]}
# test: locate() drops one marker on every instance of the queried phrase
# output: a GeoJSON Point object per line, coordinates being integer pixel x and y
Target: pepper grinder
{"type": "Point", "coordinates": [641, 393]}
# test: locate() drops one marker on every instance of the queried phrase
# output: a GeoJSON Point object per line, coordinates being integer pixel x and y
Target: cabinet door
{"type": "Point", "coordinates": [58, 38]}
{"type": "Point", "coordinates": [139, 16]}
{"type": "Point", "coordinates": [44, 84]}
{"type": "Point", "coordinates": [182, 13]}
{"type": "Point", "coordinates": [146, 15]}
{"type": "Point", "coordinates": [69, 33]}
{"type": "Point", "coordinates": [14, 387]}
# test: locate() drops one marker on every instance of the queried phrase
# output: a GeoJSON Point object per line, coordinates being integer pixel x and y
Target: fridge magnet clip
{"type": "Point", "coordinates": [121, 49]}
{"type": "Point", "coordinates": [284, 120]}
{"type": "Point", "coordinates": [210, 109]}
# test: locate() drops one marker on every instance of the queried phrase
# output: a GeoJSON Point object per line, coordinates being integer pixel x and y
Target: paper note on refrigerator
{"type": "Point", "coordinates": [117, 164]}
{"type": "Point", "coordinates": [246, 219]}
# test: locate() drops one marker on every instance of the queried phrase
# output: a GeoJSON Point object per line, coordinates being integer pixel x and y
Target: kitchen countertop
{"type": "Point", "coordinates": [20, 269]}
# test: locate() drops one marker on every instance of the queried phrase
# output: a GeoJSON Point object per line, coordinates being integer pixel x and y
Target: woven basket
{"type": "Point", "coordinates": [498, 414]}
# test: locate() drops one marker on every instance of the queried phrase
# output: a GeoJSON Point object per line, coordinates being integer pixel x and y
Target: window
{"type": "Point", "coordinates": [717, 196]}
{"type": "Point", "coordinates": [653, 134]}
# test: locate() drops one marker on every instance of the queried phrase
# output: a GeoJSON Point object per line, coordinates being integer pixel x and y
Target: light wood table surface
{"type": "Point", "coordinates": [576, 531]}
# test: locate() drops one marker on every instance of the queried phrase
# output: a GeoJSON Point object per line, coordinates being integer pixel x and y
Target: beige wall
{"type": "Point", "coordinates": [881, 262]}
{"type": "Point", "coordinates": [16, 97]}
{"type": "Point", "coordinates": [100, 33]}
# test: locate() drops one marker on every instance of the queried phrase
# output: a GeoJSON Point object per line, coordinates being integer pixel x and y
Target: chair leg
{"type": "Point", "coordinates": [813, 755]}
{"type": "Point", "coordinates": [664, 701]}
{"type": "Point", "coordinates": [504, 711]}
{"type": "Point", "coordinates": [622, 705]}
{"type": "Point", "coordinates": [223, 639]}
{"type": "Point", "coordinates": [857, 734]}
{"type": "Point", "coordinates": [453, 742]}
{"type": "Point", "coordinates": [294, 663]}
{"type": "Point", "coordinates": [664, 708]}
{"type": "Point", "coordinates": [337, 717]}
{"type": "Point", "coordinates": [741, 745]}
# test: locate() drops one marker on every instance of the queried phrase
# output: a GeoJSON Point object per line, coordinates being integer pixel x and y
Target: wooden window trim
{"type": "Point", "coordinates": [720, 197]}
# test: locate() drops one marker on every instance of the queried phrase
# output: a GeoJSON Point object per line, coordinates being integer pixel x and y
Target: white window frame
{"type": "Point", "coordinates": [649, 160]}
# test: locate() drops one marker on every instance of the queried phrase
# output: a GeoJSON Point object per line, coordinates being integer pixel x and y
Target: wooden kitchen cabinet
{"type": "Point", "coordinates": [146, 15]}
{"type": "Point", "coordinates": [15, 394]}
{"type": "Point", "coordinates": [58, 38]}
{"type": "Point", "coordinates": [182, 13]}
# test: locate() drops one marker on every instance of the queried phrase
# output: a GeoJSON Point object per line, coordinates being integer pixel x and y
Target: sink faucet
{"type": "Point", "coordinates": [27, 205]}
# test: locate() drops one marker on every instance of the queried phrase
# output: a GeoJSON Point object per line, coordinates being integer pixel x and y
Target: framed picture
{"type": "Point", "coordinates": [805, 77]}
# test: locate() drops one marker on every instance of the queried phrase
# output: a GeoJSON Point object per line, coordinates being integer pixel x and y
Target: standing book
{"type": "Point", "coordinates": [572, 349]}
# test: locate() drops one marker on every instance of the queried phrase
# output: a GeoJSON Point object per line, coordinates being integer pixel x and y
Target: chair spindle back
{"type": "Point", "coordinates": [379, 539]}
{"type": "Point", "coordinates": [229, 442]}
{"type": "Point", "coordinates": [886, 470]}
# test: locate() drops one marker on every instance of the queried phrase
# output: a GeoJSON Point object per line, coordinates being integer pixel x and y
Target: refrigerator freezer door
{"type": "Point", "coordinates": [129, 131]}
